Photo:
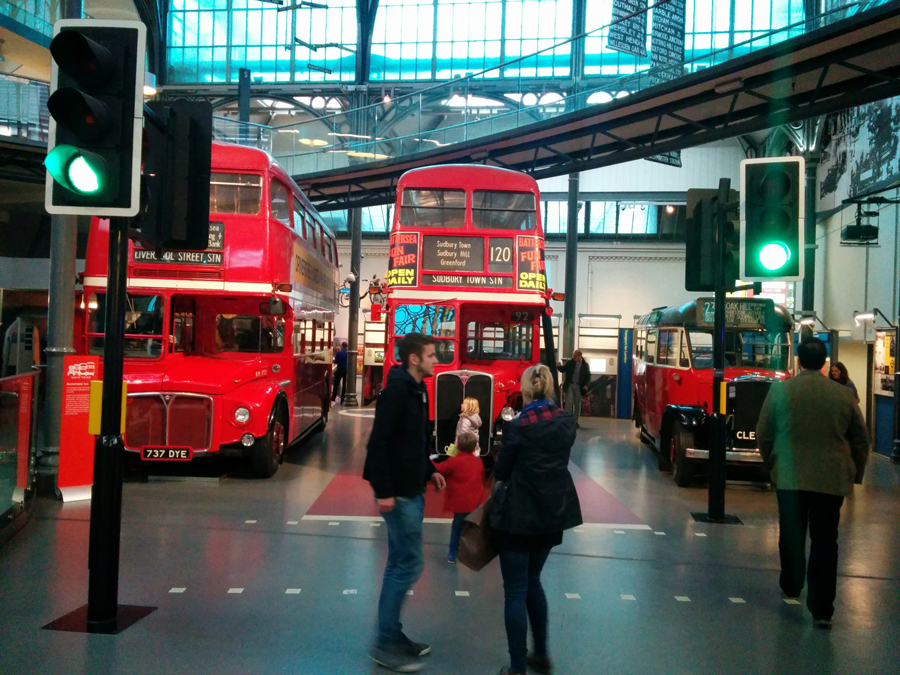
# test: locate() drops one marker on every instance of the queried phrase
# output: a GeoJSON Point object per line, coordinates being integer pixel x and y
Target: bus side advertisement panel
{"type": "Point", "coordinates": [312, 274]}
{"type": "Point", "coordinates": [531, 269]}
{"type": "Point", "coordinates": [403, 260]}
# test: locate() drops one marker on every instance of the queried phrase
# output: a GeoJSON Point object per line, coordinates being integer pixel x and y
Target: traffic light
{"type": "Point", "coordinates": [701, 249]}
{"type": "Point", "coordinates": [772, 219]}
{"type": "Point", "coordinates": [176, 174]}
{"type": "Point", "coordinates": [96, 112]}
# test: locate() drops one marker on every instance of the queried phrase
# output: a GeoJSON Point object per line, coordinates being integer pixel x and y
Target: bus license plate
{"type": "Point", "coordinates": [167, 454]}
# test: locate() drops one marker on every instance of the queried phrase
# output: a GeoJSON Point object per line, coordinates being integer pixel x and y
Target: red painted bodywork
{"type": "Point", "coordinates": [472, 303]}
{"type": "Point", "coordinates": [261, 259]}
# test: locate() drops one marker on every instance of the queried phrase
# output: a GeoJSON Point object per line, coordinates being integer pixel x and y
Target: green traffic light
{"type": "Point", "coordinates": [77, 170]}
{"type": "Point", "coordinates": [774, 256]}
{"type": "Point", "coordinates": [83, 176]}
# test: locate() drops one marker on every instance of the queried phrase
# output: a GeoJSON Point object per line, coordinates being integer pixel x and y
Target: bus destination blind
{"type": "Point", "coordinates": [403, 259]}
{"type": "Point", "coordinates": [211, 256]}
{"type": "Point", "coordinates": [470, 280]}
{"type": "Point", "coordinates": [742, 313]}
{"type": "Point", "coordinates": [453, 254]}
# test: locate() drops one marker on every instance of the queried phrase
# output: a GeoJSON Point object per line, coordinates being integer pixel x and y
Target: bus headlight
{"type": "Point", "coordinates": [507, 414]}
{"type": "Point", "coordinates": [247, 440]}
{"type": "Point", "coordinates": [241, 415]}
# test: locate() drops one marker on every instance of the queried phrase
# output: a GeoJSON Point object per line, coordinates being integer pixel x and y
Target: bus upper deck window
{"type": "Point", "coordinates": [495, 210]}
{"type": "Point", "coordinates": [298, 218]}
{"type": "Point", "coordinates": [238, 193]}
{"type": "Point", "coordinates": [280, 201]}
{"type": "Point", "coordinates": [433, 208]}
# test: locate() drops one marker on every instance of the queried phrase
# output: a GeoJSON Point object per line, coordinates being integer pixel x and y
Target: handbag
{"type": "Point", "coordinates": [476, 546]}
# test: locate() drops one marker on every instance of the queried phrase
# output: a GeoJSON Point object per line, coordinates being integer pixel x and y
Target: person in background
{"type": "Point", "coordinates": [465, 486]}
{"type": "Point", "coordinates": [534, 502]}
{"type": "Point", "coordinates": [577, 376]}
{"type": "Point", "coordinates": [469, 420]}
{"type": "Point", "coordinates": [813, 440]}
{"type": "Point", "coordinates": [838, 373]}
{"type": "Point", "coordinates": [340, 373]}
{"type": "Point", "coordinates": [398, 468]}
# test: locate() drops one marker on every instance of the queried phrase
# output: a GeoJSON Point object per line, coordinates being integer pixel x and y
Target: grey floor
{"type": "Point", "coordinates": [612, 595]}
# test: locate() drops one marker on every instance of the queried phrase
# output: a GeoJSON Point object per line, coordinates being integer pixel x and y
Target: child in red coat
{"type": "Point", "coordinates": [465, 486]}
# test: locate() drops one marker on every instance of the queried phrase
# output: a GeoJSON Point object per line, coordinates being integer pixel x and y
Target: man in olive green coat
{"type": "Point", "coordinates": [813, 440]}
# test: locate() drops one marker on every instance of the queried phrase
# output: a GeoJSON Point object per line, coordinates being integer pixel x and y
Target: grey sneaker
{"type": "Point", "coordinates": [400, 661]}
{"type": "Point", "coordinates": [415, 648]}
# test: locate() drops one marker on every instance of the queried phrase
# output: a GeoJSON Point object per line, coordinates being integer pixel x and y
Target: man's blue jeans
{"type": "Point", "coordinates": [524, 601]}
{"type": "Point", "coordinates": [404, 565]}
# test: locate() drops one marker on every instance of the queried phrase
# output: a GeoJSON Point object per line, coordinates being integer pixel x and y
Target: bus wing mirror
{"type": "Point", "coordinates": [558, 296]}
{"type": "Point", "coordinates": [273, 307]}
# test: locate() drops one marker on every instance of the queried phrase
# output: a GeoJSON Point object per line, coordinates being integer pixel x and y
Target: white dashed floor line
{"type": "Point", "coordinates": [660, 534]}
{"type": "Point", "coordinates": [791, 601]}
{"type": "Point", "coordinates": [374, 524]}
{"type": "Point", "coordinates": [293, 522]}
{"type": "Point", "coordinates": [177, 590]}
{"type": "Point", "coordinates": [235, 591]}
{"type": "Point", "coordinates": [350, 591]}
{"type": "Point", "coordinates": [410, 592]}
{"type": "Point", "coordinates": [618, 531]}
{"type": "Point", "coordinates": [682, 598]}
{"type": "Point", "coordinates": [462, 594]}
{"type": "Point", "coordinates": [628, 597]}
{"type": "Point", "coordinates": [699, 534]}
{"type": "Point", "coordinates": [738, 601]}
{"type": "Point", "coordinates": [573, 596]}
{"type": "Point", "coordinates": [334, 522]}
{"type": "Point", "coordinates": [249, 522]}
{"type": "Point", "coordinates": [292, 591]}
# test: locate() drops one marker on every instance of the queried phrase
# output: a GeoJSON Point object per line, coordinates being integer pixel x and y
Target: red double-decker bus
{"type": "Point", "coordinates": [228, 350]}
{"type": "Point", "coordinates": [466, 267]}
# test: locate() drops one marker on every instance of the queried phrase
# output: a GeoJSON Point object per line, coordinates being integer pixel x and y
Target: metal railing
{"type": "Point", "coordinates": [39, 15]}
{"type": "Point", "coordinates": [23, 110]}
{"type": "Point", "coordinates": [18, 447]}
{"type": "Point", "coordinates": [250, 134]}
{"type": "Point", "coordinates": [353, 137]}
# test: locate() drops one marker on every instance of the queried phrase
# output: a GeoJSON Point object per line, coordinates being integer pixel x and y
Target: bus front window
{"type": "Point", "coordinates": [495, 210]}
{"type": "Point", "coordinates": [249, 334]}
{"type": "Point", "coordinates": [743, 349]}
{"type": "Point", "coordinates": [144, 330]}
{"type": "Point", "coordinates": [433, 208]}
{"type": "Point", "coordinates": [499, 341]}
{"type": "Point", "coordinates": [436, 321]}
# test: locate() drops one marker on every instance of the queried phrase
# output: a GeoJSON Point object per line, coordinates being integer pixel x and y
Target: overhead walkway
{"type": "Point", "coordinates": [845, 58]}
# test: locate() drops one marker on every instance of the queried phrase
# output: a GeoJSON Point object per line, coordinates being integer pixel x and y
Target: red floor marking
{"type": "Point", "coordinates": [347, 494]}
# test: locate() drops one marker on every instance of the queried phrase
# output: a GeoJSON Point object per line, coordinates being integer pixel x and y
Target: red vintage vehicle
{"type": "Point", "coordinates": [466, 266]}
{"type": "Point", "coordinates": [673, 378]}
{"type": "Point", "coordinates": [227, 350]}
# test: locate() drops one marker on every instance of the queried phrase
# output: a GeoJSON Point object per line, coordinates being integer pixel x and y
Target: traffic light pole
{"type": "Point", "coordinates": [106, 494]}
{"type": "Point", "coordinates": [716, 507]}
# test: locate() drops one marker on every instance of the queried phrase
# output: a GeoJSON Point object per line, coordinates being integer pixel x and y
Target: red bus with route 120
{"type": "Point", "coordinates": [673, 378]}
{"type": "Point", "coordinates": [228, 351]}
{"type": "Point", "coordinates": [466, 267]}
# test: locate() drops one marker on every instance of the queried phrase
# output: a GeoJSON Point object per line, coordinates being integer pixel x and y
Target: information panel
{"type": "Point", "coordinates": [667, 49]}
{"type": "Point", "coordinates": [629, 36]}
{"type": "Point", "coordinates": [403, 260]}
{"type": "Point", "coordinates": [453, 254]}
{"type": "Point", "coordinates": [531, 269]}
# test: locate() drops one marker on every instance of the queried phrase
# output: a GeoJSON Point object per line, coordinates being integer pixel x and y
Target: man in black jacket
{"type": "Point", "coordinates": [399, 469]}
{"type": "Point", "coordinates": [577, 378]}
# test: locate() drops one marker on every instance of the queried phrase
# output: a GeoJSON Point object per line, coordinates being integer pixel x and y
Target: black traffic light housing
{"type": "Point", "coordinates": [177, 173]}
{"type": "Point", "coordinates": [701, 250]}
{"type": "Point", "coordinates": [96, 112]}
{"type": "Point", "coordinates": [772, 219]}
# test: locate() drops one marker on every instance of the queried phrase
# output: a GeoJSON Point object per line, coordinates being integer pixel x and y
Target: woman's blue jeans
{"type": "Point", "coordinates": [524, 601]}
{"type": "Point", "coordinates": [404, 565]}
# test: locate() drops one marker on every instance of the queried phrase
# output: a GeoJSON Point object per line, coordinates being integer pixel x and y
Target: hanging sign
{"type": "Point", "coordinates": [629, 35]}
{"type": "Point", "coordinates": [666, 52]}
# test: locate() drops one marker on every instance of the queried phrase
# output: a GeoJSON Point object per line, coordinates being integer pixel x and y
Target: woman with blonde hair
{"type": "Point", "coordinates": [534, 503]}
{"type": "Point", "coordinates": [469, 421]}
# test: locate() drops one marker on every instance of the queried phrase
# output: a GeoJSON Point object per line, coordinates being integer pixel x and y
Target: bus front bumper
{"type": "Point", "coordinates": [736, 456]}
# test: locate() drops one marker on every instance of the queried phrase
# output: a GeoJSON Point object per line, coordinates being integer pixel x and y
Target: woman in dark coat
{"type": "Point", "coordinates": [535, 501]}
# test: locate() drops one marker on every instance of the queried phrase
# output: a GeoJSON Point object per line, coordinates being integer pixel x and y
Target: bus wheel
{"type": "Point", "coordinates": [682, 468]}
{"type": "Point", "coordinates": [268, 451]}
